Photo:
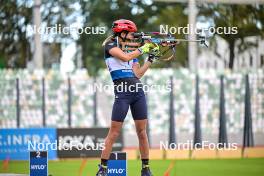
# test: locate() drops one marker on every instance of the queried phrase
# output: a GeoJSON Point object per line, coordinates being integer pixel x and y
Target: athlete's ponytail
{"type": "Point", "coordinates": [111, 37]}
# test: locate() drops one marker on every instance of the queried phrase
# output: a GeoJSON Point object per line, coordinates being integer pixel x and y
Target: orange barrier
{"type": "Point", "coordinates": [177, 154]}
{"type": "Point", "coordinates": [156, 154]}
{"type": "Point", "coordinates": [132, 154]}
{"type": "Point", "coordinates": [254, 152]}
{"type": "Point", "coordinates": [203, 154]}
{"type": "Point", "coordinates": [225, 154]}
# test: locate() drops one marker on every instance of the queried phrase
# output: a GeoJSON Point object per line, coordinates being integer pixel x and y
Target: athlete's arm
{"type": "Point", "coordinates": [140, 71]}
{"type": "Point", "coordinates": [146, 48]}
{"type": "Point", "coordinates": [119, 54]}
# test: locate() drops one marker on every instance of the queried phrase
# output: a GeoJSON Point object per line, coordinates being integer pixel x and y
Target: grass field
{"type": "Point", "coordinates": [230, 167]}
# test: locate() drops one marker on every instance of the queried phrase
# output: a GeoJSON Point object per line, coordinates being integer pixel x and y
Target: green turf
{"type": "Point", "coordinates": [231, 167]}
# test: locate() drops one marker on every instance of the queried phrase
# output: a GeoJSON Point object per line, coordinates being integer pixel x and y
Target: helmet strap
{"type": "Point", "coordinates": [123, 38]}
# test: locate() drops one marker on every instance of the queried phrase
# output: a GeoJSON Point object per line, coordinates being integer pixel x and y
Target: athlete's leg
{"type": "Point", "coordinates": [119, 113]}
{"type": "Point", "coordinates": [139, 113]}
{"type": "Point", "coordinates": [143, 146]}
{"type": "Point", "coordinates": [111, 138]}
{"type": "Point", "coordinates": [141, 126]}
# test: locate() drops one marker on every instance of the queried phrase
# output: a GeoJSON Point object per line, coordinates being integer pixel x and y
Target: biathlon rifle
{"type": "Point", "coordinates": [163, 40]}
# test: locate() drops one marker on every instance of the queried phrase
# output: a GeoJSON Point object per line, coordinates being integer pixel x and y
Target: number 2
{"type": "Point", "coordinates": [38, 154]}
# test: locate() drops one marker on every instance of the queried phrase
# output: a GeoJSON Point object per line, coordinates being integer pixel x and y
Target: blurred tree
{"type": "Point", "coordinates": [174, 16]}
{"type": "Point", "coordinates": [59, 14]}
{"type": "Point", "coordinates": [16, 17]}
{"type": "Point", "coordinates": [248, 18]}
{"type": "Point", "coordinates": [104, 12]}
{"type": "Point", "coordinates": [17, 28]}
{"type": "Point", "coordinates": [2, 62]}
{"type": "Point", "coordinates": [14, 46]}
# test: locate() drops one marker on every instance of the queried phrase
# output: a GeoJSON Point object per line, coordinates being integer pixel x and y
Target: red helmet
{"type": "Point", "coordinates": [124, 25]}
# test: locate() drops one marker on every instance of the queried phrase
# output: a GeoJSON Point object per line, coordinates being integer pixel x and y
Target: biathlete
{"type": "Point", "coordinates": [126, 70]}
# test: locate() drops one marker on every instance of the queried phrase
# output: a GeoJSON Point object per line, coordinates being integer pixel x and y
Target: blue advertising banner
{"type": "Point", "coordinates": [15, 144]}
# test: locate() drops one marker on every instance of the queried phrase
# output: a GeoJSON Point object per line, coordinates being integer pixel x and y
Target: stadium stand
{"type": "Point", "coordinates": [56, 90]}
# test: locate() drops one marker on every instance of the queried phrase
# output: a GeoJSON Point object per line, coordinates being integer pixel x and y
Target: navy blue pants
{"type": "Point", "coordinates": [135, 100]}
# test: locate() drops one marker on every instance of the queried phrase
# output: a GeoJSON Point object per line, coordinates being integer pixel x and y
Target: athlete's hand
{"type": "Point", "coordinates": [149, 48]}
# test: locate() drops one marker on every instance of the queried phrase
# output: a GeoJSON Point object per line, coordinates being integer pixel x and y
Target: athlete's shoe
{"type": "Point", "coordinates": [146, 172]}
{"type": "Point", "coordinates": [102, 170]}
